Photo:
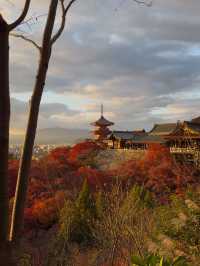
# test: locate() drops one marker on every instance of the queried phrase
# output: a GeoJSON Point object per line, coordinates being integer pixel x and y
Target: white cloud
{"type": "Point", "coordinates": [115, 39]}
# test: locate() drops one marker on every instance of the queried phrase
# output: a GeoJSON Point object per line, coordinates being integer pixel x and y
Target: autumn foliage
{"type": "Point", "coordinates": [83, 150]}
{"type": "Point", "coordinates": [60, 175]}
{"type": "Point", "coordinates": [158, 172]}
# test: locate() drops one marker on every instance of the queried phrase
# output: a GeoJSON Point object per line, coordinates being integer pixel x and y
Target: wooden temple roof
{"type": "Point", "coordinates": [102, 121]}
{"type": "Point", "coordinates": [196, 120]}
{"type": "Point", "coordinates": [125, 135]}
{"type": "Point", "coordinates": [136, 137]}
{"type": "Point", "coordinates": [163, 129]}
{"type": "Point", "coordinates": [160, 133]}
{"type": "Point", "coordinates": [185, 130]}
{"type": "Point", "coordinates": [193, 126]}
{"type": "Point", "coordinates": [150, 139]}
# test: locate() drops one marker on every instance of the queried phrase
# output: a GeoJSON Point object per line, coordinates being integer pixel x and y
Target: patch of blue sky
{"type": "Point", "coordinates": [194, 50]}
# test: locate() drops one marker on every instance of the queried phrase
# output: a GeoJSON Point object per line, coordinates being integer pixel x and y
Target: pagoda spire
{"type": "Point", "coordinates": [101, 110]}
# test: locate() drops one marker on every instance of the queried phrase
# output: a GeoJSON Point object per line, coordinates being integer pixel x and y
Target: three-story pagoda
{"type": "Point", "coordinates": [102, 127]}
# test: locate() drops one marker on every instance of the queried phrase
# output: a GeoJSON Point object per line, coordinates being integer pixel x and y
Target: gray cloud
{"type": "Point", "coordinates": [130, 57]}
{"type": "Point", "coordinates": [47, 117]}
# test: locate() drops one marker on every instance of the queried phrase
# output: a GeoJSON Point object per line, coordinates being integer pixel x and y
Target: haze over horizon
{"type": "Point", "coordinates": [142, 63]}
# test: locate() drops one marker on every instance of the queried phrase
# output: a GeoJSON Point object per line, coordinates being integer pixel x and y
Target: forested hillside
{"type": "Point", "coordinates": [79, 214]}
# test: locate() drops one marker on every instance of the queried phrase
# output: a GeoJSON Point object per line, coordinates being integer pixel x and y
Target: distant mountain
{"type": "Point", "coordinates": [55, 136]}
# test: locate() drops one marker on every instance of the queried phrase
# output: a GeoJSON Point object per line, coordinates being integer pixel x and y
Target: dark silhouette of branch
{"type": "Point", "coordinates": [21, 17]}
{"type": "Point", "coordinates": [63, 22]}
{"type": "Point", "coordinates": [66, 9]}
{"type": "Point", "coordinates": [23, 37]}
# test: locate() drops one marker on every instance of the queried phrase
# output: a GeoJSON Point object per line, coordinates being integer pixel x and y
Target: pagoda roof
{"type": "Point", "coordinates": [163, 129]}
{"type": "Point", "coordinates": [102, 121]}
{"type": "Point", "coordinates": [102, 131]}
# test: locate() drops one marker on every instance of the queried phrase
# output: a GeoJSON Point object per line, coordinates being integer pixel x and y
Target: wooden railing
{"type": "Point", "coordinates": [188, 150]}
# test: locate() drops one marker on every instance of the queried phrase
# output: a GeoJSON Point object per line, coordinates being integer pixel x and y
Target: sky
{"type": "Point", "coordinates": [141, 62]}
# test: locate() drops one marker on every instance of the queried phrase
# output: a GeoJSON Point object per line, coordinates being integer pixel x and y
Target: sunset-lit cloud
{"type": "Point", "coordinates": [142, 63]}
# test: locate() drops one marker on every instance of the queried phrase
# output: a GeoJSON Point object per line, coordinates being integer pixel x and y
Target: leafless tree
{"type": "Point", "coordinates": [5, 29]}
{"type": "Point", "coordinates": [9, 239]}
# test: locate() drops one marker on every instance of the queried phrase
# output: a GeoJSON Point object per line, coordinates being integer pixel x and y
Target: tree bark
{"type": "Point", "coordinates": [25, 162]}
{"type": "Point", "coordinates": [5, 248]}
{"type": "Point", "coordinates": [7, 257]}
{"type": "Point", "coordinates": [4, 126]}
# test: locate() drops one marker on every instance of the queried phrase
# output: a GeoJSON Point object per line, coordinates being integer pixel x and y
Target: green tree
{"type": "Point", "coordinates": [85, 215]}
{"type": "Point", "coordinates": [77, 219]}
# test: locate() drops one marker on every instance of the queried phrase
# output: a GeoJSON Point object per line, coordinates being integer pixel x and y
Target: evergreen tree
{"type": "Point", "coordinates": [84, 216]}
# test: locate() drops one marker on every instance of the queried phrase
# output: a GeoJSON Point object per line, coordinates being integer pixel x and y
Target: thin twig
{"type": "Point", "coordinates": [27, 39]}
{"type": "Point", "coordinates": [63, 22]}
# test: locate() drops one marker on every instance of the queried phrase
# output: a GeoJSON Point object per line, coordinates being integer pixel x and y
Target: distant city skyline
{"type": "Point", "coordinates": [141, 63]}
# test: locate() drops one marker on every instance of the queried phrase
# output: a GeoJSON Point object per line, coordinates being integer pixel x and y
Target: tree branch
{"type": "Point", "coordinates": [64, 13]}
{"type": "Point", "coordinates": [21, 17]}
{"type": "Point", "coordinates": [66, 9]}
{"type": "Point", "coordinates": [27, 39]}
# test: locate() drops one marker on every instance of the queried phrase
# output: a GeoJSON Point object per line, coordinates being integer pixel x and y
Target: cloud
{"type": "Point", "coordinates": [142, 63]}
{"type": "Point", "coordinates": [50, 114]}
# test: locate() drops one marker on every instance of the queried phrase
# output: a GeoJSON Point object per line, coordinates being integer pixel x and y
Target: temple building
{"type": "Point", "coordinates": [101, 131]}
{"type": "Point", "coordinates": [184, 141]}
{"type": "Point", "coordinates": [126, 139]}
{"type": "Point", "coordinates": [182, 138]}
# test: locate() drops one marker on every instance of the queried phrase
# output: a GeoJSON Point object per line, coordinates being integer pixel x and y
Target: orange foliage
{"type": "Point", "coordinates": [158, 172]}
{"type": "Point", "coordinates": [157, 153]}
{"type": "Point", "coordinates": [60, 154]}
{"type": "Point", "coordinates": [46, 212]}
{"type": "Point", "coordinates": [131, 172]}
{"type": "Point", "coordinates": [83, 150]}
{"type": "Point", "coordinates": [60, 173]}
{"type": "Point", "coordinates": [95, 177]}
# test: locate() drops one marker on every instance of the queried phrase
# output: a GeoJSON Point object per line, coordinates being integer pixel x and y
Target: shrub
{"type": "Point", "coordinates": [77, 219]}
{"type": "Point", "coordinates": [180, 222]}
{"type": "Point", "coordinates": [123, 227]}
{"type": "Point", "coordinates": [155, 260]}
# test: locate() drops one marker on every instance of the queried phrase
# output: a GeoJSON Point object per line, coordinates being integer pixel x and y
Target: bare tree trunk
{"type": "Point", "coordinates": [4, 138]}
{"type": "Point", "coordinates": [4, 126]}
{"type": "Point", "coordinates": [25, 162]}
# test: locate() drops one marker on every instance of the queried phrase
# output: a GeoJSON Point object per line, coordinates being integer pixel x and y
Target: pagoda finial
{"type": "Point", "coordinates": [101, 109]}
